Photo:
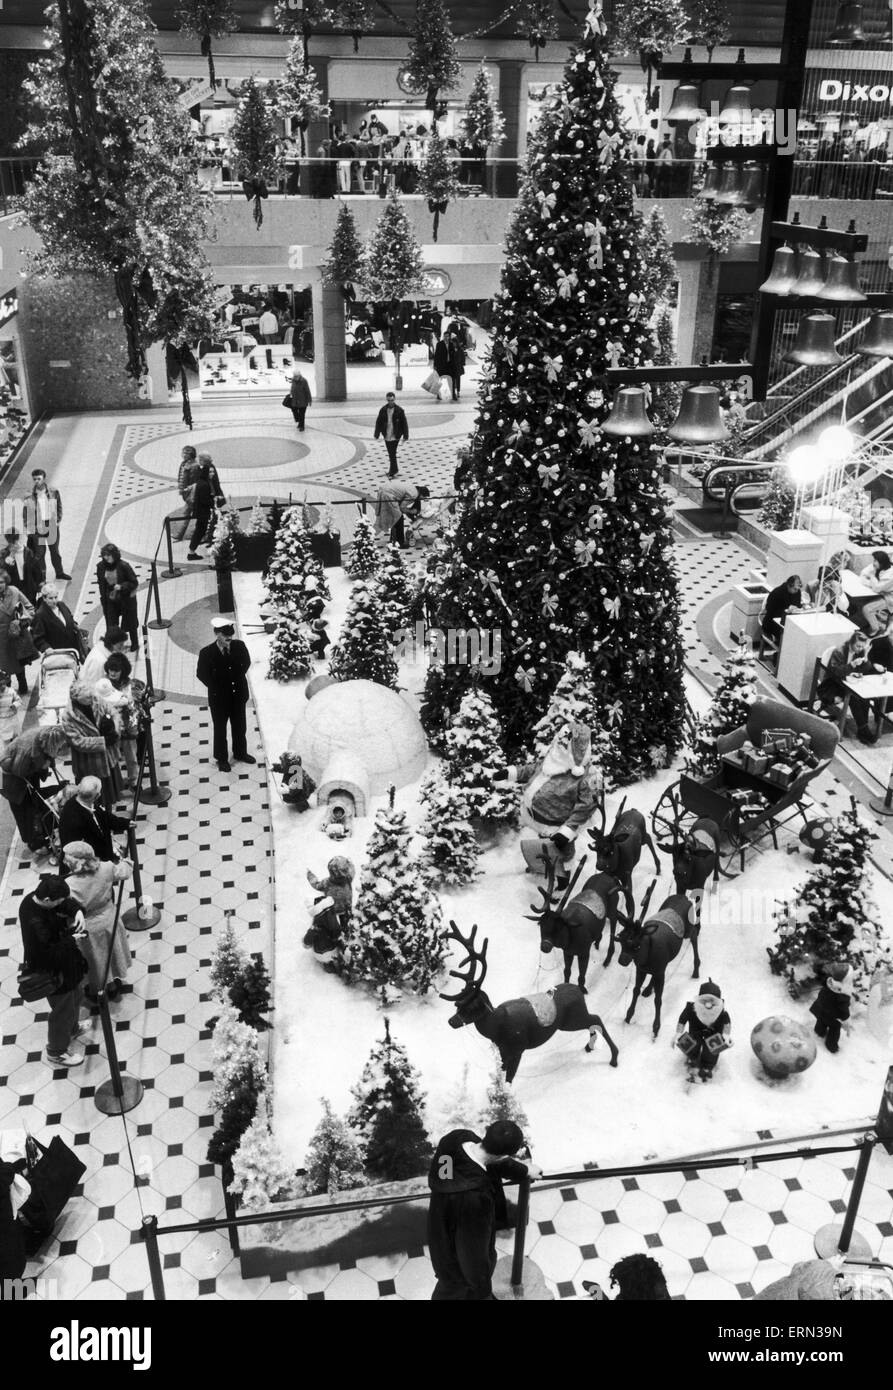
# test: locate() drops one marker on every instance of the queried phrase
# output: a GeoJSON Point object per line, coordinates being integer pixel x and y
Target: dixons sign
{"type": "Point", "coordinates": [831, 89]}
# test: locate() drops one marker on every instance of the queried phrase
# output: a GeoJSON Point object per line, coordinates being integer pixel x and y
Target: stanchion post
{"type": "Point", "coordinates": [231, 1207]}
{"type": "Point", "coordinates": [520, 1233]}
{"type": "Point", "coordinates": [171, 572]}
{"type": "Point", "coordinates": [153, 695]}
{"type": "Point", "coordinates": [145, 914]}
{"type": "Point", "coordinates": [157, 621]}
{"type": "Point", "coordinates": [834, 1240]}
{"type": "Point", "coordinates": [157, 793]}
{"type": "Point", "coordinates": [149, 1227]}
{"type": "Point", "coordinates": [121, 1092]}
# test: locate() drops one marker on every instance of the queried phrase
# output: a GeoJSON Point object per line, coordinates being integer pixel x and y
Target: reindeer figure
{"type": "Point", "coordinates": [575, 926]}
{"type": "Point", "coordinates": [619, 852]}
{"type": "Point", "coordinates": [518, 1024]}
{"type": "Point", "coordinates": [695, 854]}
{"type": "Point", "coordinates": [652, 942]}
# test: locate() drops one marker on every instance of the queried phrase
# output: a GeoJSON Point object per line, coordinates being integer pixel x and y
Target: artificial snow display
{"type": "Point", "coordinates": [260, 1174]}
{"type": "Point", "coordinates": [363, 652]}
{"type": "Point", "coordinates": [292, 565]}
{"type": "Point", "coordinates": [783, 1046]}
{"type": "Point", "coordinates": [388, 1113]}
{"type": "Point", "coordinates": [394, 591]}
{"type": "Point", "coordinates": [334, 1159]}
{"type": "Point", "coordinates": [451, 851]}
{"type": "Point", "coordinates": [371, 723]}
{"type": "Point", "coordinates": [364, 559]}
{"type": "Point", "coordinates": [475, 764]}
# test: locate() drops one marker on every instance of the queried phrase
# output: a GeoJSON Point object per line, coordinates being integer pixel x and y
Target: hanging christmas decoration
{"type": "Point", "coordinates": [207, 19]}
{"type": "Point", "coordinates": [255, 146]}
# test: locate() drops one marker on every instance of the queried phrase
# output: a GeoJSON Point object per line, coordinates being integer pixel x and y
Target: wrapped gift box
{"type": "Point", "coordinates": [757, 763]}
{"type": "Point", "coordinates": [686, 1043]}
{"type": "Point", "coordinates": [717, 1043]}
{"type": "Point", "coordinates": [737, 758]}
{"type": "Point", "coordinates": [781, 774]}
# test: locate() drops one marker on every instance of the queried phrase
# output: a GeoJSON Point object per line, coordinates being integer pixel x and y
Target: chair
{"type": "Point", "coordinates": [766, 644]}
{"type": "Point", "coordinates": [818, 675]}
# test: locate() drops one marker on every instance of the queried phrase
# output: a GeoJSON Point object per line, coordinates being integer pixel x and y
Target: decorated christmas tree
{"type": "Point", "coordinates": [660, 273]}
{"type": "Point", "coordinates": [364, 560]}
{"type": "Point", "coordinates": [299, 97]}
{"type": "Point", "coordinates": [343, 264]}
{"type": "Point", "coordinates": [537, 23]}
{"type": "Point", "coordinates": [438, 179]}
{"type": "Point", "coordinates": [207, 19]}
{"type": "Point", "coordinates": [777, 511]}
{"type": "Point", "coordinates": [393, 268]}
{"type": "Point", "coordinates": [388, 1114]}
{"type": "Point", "coordinates": [293, 562]}
{"type": "Point", "coordinates": [235, 1055]}
{"type": "Point", "coordinates": [290, 649]}
{"type": "Point", "coordinates": [363, 651]}
{"type": "Point", "coordinates": [255, 146]}
{"type": "Point", "coordinates": [573, 700]}
{"type": "Point", "coordinates": [483, 123]}
{"type": "Point", "coordinates": [223, 545]}
{"type": "Point", "coordinates": [835, 918]}
{"type": "Point", "coordinates": [665, 395]}
{"type": "Point", "coordinates": [433, 65]}
{"type": "Point", "coordinates": [394, 590]}
{"type": "Point", "coordinates": [708, 22]}
{"type": "Point", "coordinates": [396, 935]}
{"type": "Point", "coordinates": [451, 851]}
{"type": "Point", "coordinates": [260, 1173]}
{"type": "Point", "coordinates": [250, 994]}
{"type": "Point", "coordinates": [258, 521]}
{"type": "Point", "coordinates": [228, 960]}
{"type": "Point", "coordinates": [563, 539]}
{"type": "Point", "coordinates": [474, 761]}
{"type": "Point", "coordinates": [727, 711]}
{"type": "Point", "coordinates": [334, 1161]}
{"type": "Point", "coordinates": [501, 1102]}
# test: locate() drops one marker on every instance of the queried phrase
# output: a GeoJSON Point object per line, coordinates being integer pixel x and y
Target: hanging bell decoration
{"type": "Point", "coordinates": [753, 186]}
{"type": "Point", "coordinates": [815, 342]}
{"type": "Point", "coordinates": [847, 31]}
{"type": "Point", "coordinates": [685, 104]}
{"type": "Point", "coordinates": [878, 340]}
{"type": "Point", "coordinates": [712, 182]}
{"type": "Point", "coordinates": [842, 282]}
{"type": "Point", "coordinates": [699, 420]}
{"type": "Point", "coordinates": [812, 275]}
{"type": "Point", "coordinates": [627, 417]}
{"type": "Point", "coordinates": [731, 186]}
{"type": "Point", "coordinates": [783, 275]}
{"type": "Point", "coordinates": [736, 108]}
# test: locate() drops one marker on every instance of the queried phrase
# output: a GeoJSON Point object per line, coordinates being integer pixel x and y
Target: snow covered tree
{"type": "Point", "coordinates": [451, 851]}
{"type": "Point", "coordinates": [483, 124]}
{"type": "Point", "coordinates": [501, 1103]}
{"type": "Point", "coordinates": [659, 268]}
{"type": "Point", "coordinates": [391, 584]}
{"type": "Point", "coordinates": [835, 919]}
{"type": "Point", "coordinates": [334, 1162]}
{"type": "Point", "coordinates": [292, 564]}
{"type": "Point", "coordinates": [258, 521]}
{"type": "Point", "coordinates": [473, 761]}
{"type": "Point", "coordinates": [396, 935]}
{"type": "Point", "coordinates": [364, 558]}
{"type": "Point", "coordinates": [537, 23]}
{"type": "Point", "coordinates": [562, 538]}
{"type": "Point", "coordinates": [388, 1114]}
{"type": "Point", "coordinates": [727, 711]}
{"type": "Point", "coordinates": [207, 19]}
{"type": "Point", "coordinates": [235, 1054]}
{"type": "Point", "coordinates": [777, 511]}
{"type": "Point", "coordinates": [364, 650]}
{"type": "Point", "coordinates": [438, 178]}
{"type": "Point", "coordinates": [255, 146]}
{"type": "Point", "coordinates": [573, 699]}
{"type": "Point", "coordinates": [250, 994]}
{"type": "Point", "coordinates": [357, 17]}
{"type": "Point", "coordinates": [343, 264]}
{"type": "Point", "coordinates": [223, 545]}
{"type": "Point", "coordinates": [433, 64]}
{"type": "Point", "coordinates": [299, 96]}
{"type": "Point", "coordinates": [458, 1107]}
{"type": "Point", "coordinates": [393, 267]}
{"type": "Point", "coordinates": [290, 649]}
{"type": "Point", "coordinates": [708, 23]}
{"type": "Point", "coordinates": [236, 1114]}
{"type": "Point", "coordinates": [228, 960]}
{"type": "Point", "coordinates": [260, 1173]}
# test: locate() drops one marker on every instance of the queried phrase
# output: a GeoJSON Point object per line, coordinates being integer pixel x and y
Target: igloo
{"type": "Point", "coordinates": [367, 721]}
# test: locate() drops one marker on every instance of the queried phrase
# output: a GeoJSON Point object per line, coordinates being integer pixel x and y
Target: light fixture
{"type": "Point", "coordinates": [806, 464]}
{"type": "Point", "coordinates": [837, 442]}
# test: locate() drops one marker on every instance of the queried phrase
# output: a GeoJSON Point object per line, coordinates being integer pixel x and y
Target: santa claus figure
{"type": "Point", "coordinates": [560, 793]}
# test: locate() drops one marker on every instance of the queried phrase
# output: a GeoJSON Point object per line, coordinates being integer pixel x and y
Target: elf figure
{"type": "Point", "coordinates": [703, 1031]}
{"type": "Point", "coordinates": [559, 797]}
{"type": "Point", "coordinates": [831, 1006]}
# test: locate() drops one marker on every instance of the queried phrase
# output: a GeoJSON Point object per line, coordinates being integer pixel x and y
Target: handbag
{"type": "Point", "coordinates": [23, 645]}
{"type": "Point", "coordinates": [37, 984]}
{"type": "Point", "coordinates": [286, 401]}
{"type": "Point", "coordinates": [53, 1176]}
{"type": "Point", "coordinates": [432, 383]}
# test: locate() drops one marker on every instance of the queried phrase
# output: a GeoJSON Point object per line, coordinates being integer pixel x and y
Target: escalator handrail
{"type": "Point", "coordinates": [813, 389]}
{"type": "Point", "coordinates": [856, 328]}
{"type": "Point", "coordinates": [843, 392]}
{"type": "Point", "coordinates": [733, 466]}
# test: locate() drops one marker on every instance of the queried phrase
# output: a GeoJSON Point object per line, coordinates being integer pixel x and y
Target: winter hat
{"type": "Point", "coordinates": [340, 869]}
{"type": "Point", "coordinates": [710, 988]}
{"type": "Point", "coordinates": [581, 749]}
{"type": "Point", "coordinates": [51, 888]}
{"type": "Point", "coordinates": [503, 1138]}
{"type": "Point", "coordinates": [840, 978]}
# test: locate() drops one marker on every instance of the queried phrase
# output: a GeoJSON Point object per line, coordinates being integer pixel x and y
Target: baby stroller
{"type": "Point", "coordinates": [58, 672]}
{"type": "Point", "coordinates": [47, 810]}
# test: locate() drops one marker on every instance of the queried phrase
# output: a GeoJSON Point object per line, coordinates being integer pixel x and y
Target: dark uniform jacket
{"type": "Point", "coordinates": [47, 941]}
{"type": "Point", "coordinates": [224, 673]}
{"type": "Point", "coordinates": [94, 827]}
{"type": "Point", "coordinates": [462, 1215]}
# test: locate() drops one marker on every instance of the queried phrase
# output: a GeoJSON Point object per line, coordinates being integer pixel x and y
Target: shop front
{"type": "Point", "coordinates": [15, 413]}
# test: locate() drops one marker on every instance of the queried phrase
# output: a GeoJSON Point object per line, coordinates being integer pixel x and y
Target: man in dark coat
{"type": "Point", "coordinates": [300, 397]}
{"type": "Point", "coordinates": [51, 924]}
{"type": "Point", "coordinates": [84, 818]}
{"type": "Point", "coordinates": [26, 573]}
{"type": "Point", "coordinates": [222, 667]}
{"type": "Point", "coordinates": [465, 1187]}
{"type": "Point", "coordinates": [391, 425]}
{"type": "Point", "coordinates": [43, 518]}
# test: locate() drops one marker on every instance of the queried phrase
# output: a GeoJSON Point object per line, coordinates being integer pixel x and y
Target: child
{"type": "Point", "coordinates": [331, 912]}
{"type": "Point", "coordinates": [703, 1031]}
{"type": "Point", "coordinates": [831, 1007]}
{"type": "Point", "coordinates": [10, 704]}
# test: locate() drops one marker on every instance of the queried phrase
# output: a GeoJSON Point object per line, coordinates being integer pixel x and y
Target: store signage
{"type": "Point", "coordinates": [9, 305]}
{"type": "Point", "coordinates": [832, 89]}
{"type": "Point", "coordinates": [436, 283]}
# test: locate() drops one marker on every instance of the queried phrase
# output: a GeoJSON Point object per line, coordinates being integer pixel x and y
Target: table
{"type": "Point", "coordinates": [876, 688]}
{"type": "Point", "coordinates": [804, 638]}
{"type": "Point", "coordinates": [854, 587]}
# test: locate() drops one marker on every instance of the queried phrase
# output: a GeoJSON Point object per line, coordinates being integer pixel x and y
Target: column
{"type": "Point", "coordinates": [329, 361]}
{"type": "Point", "coordinates": [312, 175]}
{"type": "Point", "coordinates": [509, 97]}
{"type": "Point", "coordinates": [696, 312]}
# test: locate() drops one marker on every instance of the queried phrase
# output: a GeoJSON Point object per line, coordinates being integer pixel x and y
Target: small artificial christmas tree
{"type": "Point", "coordinates": [260, 1173]}
{"type": "Point", "coordinates": [363, 651]}
{"type": "Point", "coordinates": [235, 1053]}
{"type": "Point", "coordinates": [501, 1102]}
{"type": "Point", "coordinates": [293, 561]}
{"type": "Point", "coordinates": [290, 649]}
{"type": "Point", "coordinates": [299, 97]}
{"type": "Point", "coordinates": [364, 559]}
{"type": "Point", "coordinates": [727, 711]}
{"type": "Point", "coordinates": [396, 935]}
{"type": "Point", "coordinates": [458, 1107]}
{"type": "Point", "coordinates": [433, 64]}
{"type": "Point", "coordinates": [574, 700]}
{"type": "Point", "coordinates": [388, 1114]}
{"type": "Point", "coordinates": [228, 960]}
{"type": "Point", "coordinates": [236, 1114]}
{"type": "Point", "coordinates": [255, 146]}
{"type": "Point", "coordinates": [665, 395]}
{"type": "Point", "coordinates": [835, 919]}
{"type": "Point", "coordinates": [207, 19]}
{"type": "Point", "coordinates": [438, 179]}
{"type": "Point", "coordinates": [537, 23]}
{"type": "Point", "coordinates": [659, 263]}
{"type": "Point", "coordinates": [334, 1162]}
{"type": "Point", "coordinates": [249, 994]}
{"type": "Point", "coordinates": [474, 761]}
{"type": "Point", "coordinates": [483, 124]}
{"type": "Point", "coordinates": [451, 851]}
{"type": "Point", "coordinates": [343, 264]}
{"type": "Point", "coordinates": [394, 590]}
{"type": "Point", "coordinates": [777, 511]}
{"type": "Point", "coordinates": [223, 546]}
{"type": "Point", "coordinates": [258, 521]}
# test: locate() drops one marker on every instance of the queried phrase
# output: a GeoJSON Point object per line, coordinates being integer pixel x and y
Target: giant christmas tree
{"type": "Point", "coordinates": [562, 540]}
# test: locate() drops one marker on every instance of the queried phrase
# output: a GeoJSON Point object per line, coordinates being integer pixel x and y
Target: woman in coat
{"type": "Point", "coordinates": [125, 696]}
{"type": "Point", "coordinates": [89, 726]}
{"type": "Point", "coordinates": [25, 764]}
{"type": "Point", "coordinates": [442, 361]}
{"type": "Point", "coordinates": [92, 883]}
{"type": "Point", "coordinates": [13, 607]}
{"type": "Point", "coordinates": [456, 368]}
{"type": "Point", "coordinates": [202, 506]}
{"type": "Point", "coordinates": [54, 628]}
{"type": "Point", "coordinates": [117, 593]}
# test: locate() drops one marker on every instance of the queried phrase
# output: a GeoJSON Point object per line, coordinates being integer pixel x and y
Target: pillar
{"type": "Point", "coordinates": [329, 360]}
{"type": "Point", "coordinates": [509, 97]}
{"type": "Point", "coordinates": [696, 315]}
{"type": "Point", "coordinates": [316, 132]}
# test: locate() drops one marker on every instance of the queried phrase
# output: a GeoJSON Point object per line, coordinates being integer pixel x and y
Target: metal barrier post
{"type": "Point", "coordinates": [833, 1240]}
{"type": "Point", "coordinates": [520, 1233]}
{"type": "Point", "coordinates": [157, 621]}
{"type": "Point", "coordinates": [149, 1227]}
{"type": "Point", "coordinates": [157, 793]}
{"type": "Point", "coordinates": [231, 1207]}
{"type": "Point", "coordinates": [121, 1092]}
{"type": "Point", "coordinates": [154, 695]}
{"type": "Point", "coordinates": [171, 572]}
{"type": "Point", "coordinates": [146, 913]}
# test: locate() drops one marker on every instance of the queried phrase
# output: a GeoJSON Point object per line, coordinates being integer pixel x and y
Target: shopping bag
{"type": "Point", "coordinates": [53, 1178]}
{"type": "Point", "coordinates": [432, 383]}
{"type": "Point", "coordinates": [286, 401]}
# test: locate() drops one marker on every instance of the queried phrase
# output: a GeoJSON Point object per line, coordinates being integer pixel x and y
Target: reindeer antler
{"type": "Point", "coordinates": [597, 832]}
{"type": "Point", "coordinates": [547, 892]}
{"type": "Point", "coordinates": [646, 901]}
{"type": "Point", "coordinates": [620, 810]}
{"type": "Point", "coordinates": [571, 886]}
{"type": "Point", "coordinates": [471, 982]}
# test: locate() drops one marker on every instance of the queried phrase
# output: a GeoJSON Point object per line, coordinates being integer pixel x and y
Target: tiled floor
{"type": "Point", "coordinates": [717, 1234]}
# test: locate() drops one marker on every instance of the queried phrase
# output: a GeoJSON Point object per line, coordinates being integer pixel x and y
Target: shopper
{"type": "Point", "coordinates": [464, 1180]}
{"type": "Point", "coordinates": [850, 659]}
{"type": "Point", "coordinates": [89, 725]}
{"type": "Point", "coordinates": [25, 570]}
{"type": "Point", "coordinates": [441, 362]}
{"type": "Point", "coordinates": [15, 613]}
{"type": "Point", "coordinates": [202, 506]}
{"type": "Point", "coordinates": [114, 639]}
{"type": "Point", "coordinates": [105, 948]}
{"type": "Point", "coordinates": [639, 1279]}
{"type": "Point", "coordinates": [83, 817]}
{"type": "Point", "coordinates": [25, 764]}
{"type": "Point", "coordinates": [456, 368]}
{"type": "Point", "coordinates": [127, 698]}
{"type": "Point", "coordinates": [43, 520]}
{"type": "Point", "coordinates": [870, 613]}
{"type": "Point", "coordinates": [10, 713]}
{"type": "Point", "coordinates": [391, 425]}
{"type": "Point", "coordinates": [783, 597]}
{"type": "Point", "coordinates": [54, 627]}
{"type": "Point", "coordinates": [52, 926]}
{"type": "Point", "coordinates": [222, 669]}
{"type": "Point", "coordinates": [117, 593]}
{"type": "Point", "coordinates": [185, 479]}
{"type": "Point", "coordinates": [268, 326]}
{"type": "Point", "coordinates": [300, 396]}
